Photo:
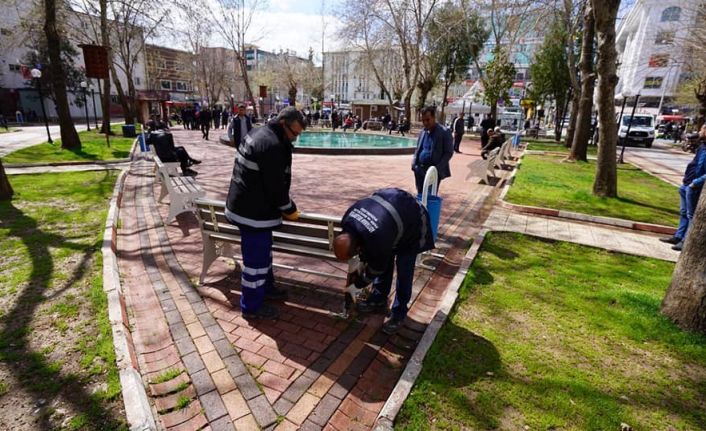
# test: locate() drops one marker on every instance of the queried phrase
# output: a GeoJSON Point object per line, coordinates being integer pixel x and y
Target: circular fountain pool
{"type": "Point", "coordinates": [350, 143]}
{"type": "Point", "coordinates": [353, 143]}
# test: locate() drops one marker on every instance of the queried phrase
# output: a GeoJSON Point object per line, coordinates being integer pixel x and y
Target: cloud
{"type": "Point", "coordinates": [294, 31]}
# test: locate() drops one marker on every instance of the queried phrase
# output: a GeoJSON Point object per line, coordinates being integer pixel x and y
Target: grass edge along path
{"type": "Point", "coordinates": [55, 335]}
{"type": "Point", "coordinates": [93, 148]}
{"type": "Point", "coordinates": [547, 181]}
{"type": "Point", "coordinates": [553, 335]}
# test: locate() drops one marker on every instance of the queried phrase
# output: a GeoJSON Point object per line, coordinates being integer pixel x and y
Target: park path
{"type": "Point", "coordinates": [591, 234]}
{"type": "Point", "coordinates": [307, 370]}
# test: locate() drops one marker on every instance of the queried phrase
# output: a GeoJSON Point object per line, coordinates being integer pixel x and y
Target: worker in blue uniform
{"type": "Point", "coordinates": [387, 229]}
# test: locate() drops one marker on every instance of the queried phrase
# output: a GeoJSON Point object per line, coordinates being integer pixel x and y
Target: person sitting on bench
{"type": "Point", "coordinates": [163, 144]}
{"type": "Point", "coordinates": [390, 227]}
{"type": "Point", "coordinates": [497, 138]}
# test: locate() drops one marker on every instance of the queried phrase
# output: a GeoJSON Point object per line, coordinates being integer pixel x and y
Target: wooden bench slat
{"type": "Point", "coordinates": [280, 247]}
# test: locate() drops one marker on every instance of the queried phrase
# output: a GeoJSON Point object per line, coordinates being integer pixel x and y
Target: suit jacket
{"type": "Point", "coordinates": [234, 129]}
{"type": "Point", "coordinates": [442, 150]}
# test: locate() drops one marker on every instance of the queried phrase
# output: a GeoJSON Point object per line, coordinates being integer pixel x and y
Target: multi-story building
{"type": "Point", "coordinates": [16, 91]}
{"type": "Point", "coordinates": [650, 43]}
{"type": "Point", "coordinates": [349, 77]}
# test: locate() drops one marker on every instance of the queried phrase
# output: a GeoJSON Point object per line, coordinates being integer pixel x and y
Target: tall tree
{"type": "Point", "coordinates": [233, 19]}
{"type": "Point", "coordinates": [550, 71]}
{"type": "Point", "coordinates": [497, 80]}
{"type": "Point", "coordinates": [685, 300]}
{"type": "Point", "coordinates": [455, 37]}
{"type": "Point", "coordinates": [402, 23]}
{"type": "Point", "coordinates": [69, 137]}
{"type": "Point", "coordinates": [6, 191]}
{"type": "Point", "coordinates": [133, 22]}
{"type": "Point", "coordinates": [604, 14]}
{"type": "Point", "coordinates": [582, 134]}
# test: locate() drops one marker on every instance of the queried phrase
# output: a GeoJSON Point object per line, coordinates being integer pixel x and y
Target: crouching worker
{"type": "Point", "coordinates": [387, 229]}
{"type": "Point", "coordinates": [257, 201]}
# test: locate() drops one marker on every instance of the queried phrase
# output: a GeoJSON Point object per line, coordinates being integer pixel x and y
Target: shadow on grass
{"type": "Point", "coordinates": [33, 371]}
{"type": "Point", "coordinates": [669, 209]}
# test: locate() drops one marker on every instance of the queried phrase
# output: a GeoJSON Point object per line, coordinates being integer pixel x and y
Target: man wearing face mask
{"type": "Point", "coordinates": [257, 201]}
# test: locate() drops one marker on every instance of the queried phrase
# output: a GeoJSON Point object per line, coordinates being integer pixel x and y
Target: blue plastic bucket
{"type": "Point", "coordinates": [434, 210]}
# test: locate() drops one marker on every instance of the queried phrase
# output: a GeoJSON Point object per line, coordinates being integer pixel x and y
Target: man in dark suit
{"type": "Point", "coordinates": [163, 144]}
{"type": "Point", "coordinates": [239, 127]}
{"type": "Point", "coordinates": [487, 124]}
{"type": "Point", "coordinates": [205, 120]}
{"type": "Point", "coordinates": [458, 129]}
{"type": "Point", "coordinates": [434, 148]}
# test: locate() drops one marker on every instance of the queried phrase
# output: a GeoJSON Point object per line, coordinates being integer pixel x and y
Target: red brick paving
{"type": "Point", "coordinates": [314, 369]}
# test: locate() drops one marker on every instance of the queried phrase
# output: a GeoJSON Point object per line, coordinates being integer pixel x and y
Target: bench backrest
{"type": "Point", "coordinates": [312, 231]}
{"type": "Point", "coordinates": [163, 173]}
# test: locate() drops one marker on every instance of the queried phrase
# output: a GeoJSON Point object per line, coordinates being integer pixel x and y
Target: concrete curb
{"type": "Point", "coordinates": [609, 221]}
{"type": "Point", "coordinates": [386, 418]}
{"type": "Point", "coordinates": [137, 406]}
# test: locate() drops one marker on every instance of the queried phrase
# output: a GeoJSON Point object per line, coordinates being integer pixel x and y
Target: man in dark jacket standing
{"type": "Point", "coordinates": [434, 148]}
{"type": "Point", "coordinates": [390, 227]}
{"type": "Point", "coordinates": [257, 200]}
{"type": "Point", "coordinates": [487, 124]}
{"type": "Point", "coordinates": [239, 127]}
{"type": "Point", "coordinates": [458, 129]}
{"type": "Point", "coordinates": [205, 120]}
{"type": "Point", "coordinates": [689, 192]}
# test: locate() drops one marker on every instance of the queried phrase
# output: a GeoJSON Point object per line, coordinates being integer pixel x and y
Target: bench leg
{"type": "Point", "coordinates": [209, 256]}
{"type": "Point", "coordinates": [162, 192]}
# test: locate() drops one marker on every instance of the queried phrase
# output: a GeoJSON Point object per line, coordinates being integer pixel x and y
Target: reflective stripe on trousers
{"type": "Point", "coordinates": [256, 276]}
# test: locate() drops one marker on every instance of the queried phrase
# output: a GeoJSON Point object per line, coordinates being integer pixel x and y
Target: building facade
{"type": "Point", "coordinates": [16, 90]}
{"type": "Point", "coordinates": [651, 50]}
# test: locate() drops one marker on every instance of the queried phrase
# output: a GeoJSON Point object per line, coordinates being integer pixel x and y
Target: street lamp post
{"type": "Point", "coordinates": [627, 132]}
{"type": "Point", "coordinates": [93, 99]}
{"type": "Point", "coordinates": [232, 103]}
{"type": "Point", "coordinates": [37, 74]}
{"type": "Point", "coordinates": [84, 85]}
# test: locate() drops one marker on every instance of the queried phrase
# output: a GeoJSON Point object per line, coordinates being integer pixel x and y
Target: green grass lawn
{"type": "Point", "coordinates": [545, 145]}
{"type": "Point", "coordinates": [545, 181]}
{"type": "Point", "coordinates": [93, 148]}
{"type": "Point", "coordinates": [9, 130]}
{"type": "Point", "coordinates": [557, 336]}
{"type": "Point", "coordinates": [55, 337]}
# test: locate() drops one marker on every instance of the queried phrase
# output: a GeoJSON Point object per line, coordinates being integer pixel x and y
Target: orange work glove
{"type": "Point", "coordinates": [291, 216]}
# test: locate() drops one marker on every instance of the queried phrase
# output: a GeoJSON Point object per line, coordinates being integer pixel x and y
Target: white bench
{"type": "Point", "coordinates": [311, 235]}
{"type": "Point", "coordinates": [504, 154]}
{"type": "Point", "coordinates": [484, 169]}
{"type": "Point", "coordinates": [182, 191]}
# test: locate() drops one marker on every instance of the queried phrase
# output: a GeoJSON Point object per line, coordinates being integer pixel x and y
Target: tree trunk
{"type": "Point", "coordinates": [69, 137]}
{"type": "Point", "coordinates": [447, 84]}
{"type": "Point", "coordinates": [575, 96]}
{"type": "Point", "coordinates": [6, 191]}
{"type": "Point", "coordinates": [122, 98]}
{"type": "Point", "coordinates": [606, 182]}
{"type": "Point", "coordinates": [105, 40]}
{"type": "Point", "coordinates": [494, 113]}
{"type": "Point", "coordinates": [292, 95]}
{"type": "Point", "coordinates": [424, 89]}
{"type": "Point", "coordinates": [582, 134]}
{"type": "Point", "coordinates": [132, 103]}
{"type": "Point", "coordinates": [685, 300]}
{"type": "Point", "coordinates": [246, 81]}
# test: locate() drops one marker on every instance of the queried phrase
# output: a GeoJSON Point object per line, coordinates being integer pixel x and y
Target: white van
{"type": "Point", "coordinates": [642, 129]}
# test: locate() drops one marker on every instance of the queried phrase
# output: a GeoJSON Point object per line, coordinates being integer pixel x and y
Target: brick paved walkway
{"type": "Point", "coordinates": [601, 236]}
{"type": "Point", "coordinates": [308, 370]}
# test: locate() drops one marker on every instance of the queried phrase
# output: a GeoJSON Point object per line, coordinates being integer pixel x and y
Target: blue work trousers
{"type": "Point", "coordinates": [688, 198]}
{"type": "Point", "coordinates": [257, 276]}
{"type": "Point", "coordinates": [405, 277]}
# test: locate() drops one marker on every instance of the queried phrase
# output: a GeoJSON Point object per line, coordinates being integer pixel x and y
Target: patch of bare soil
{"type": "Point", "coordinates": [51, 374]}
